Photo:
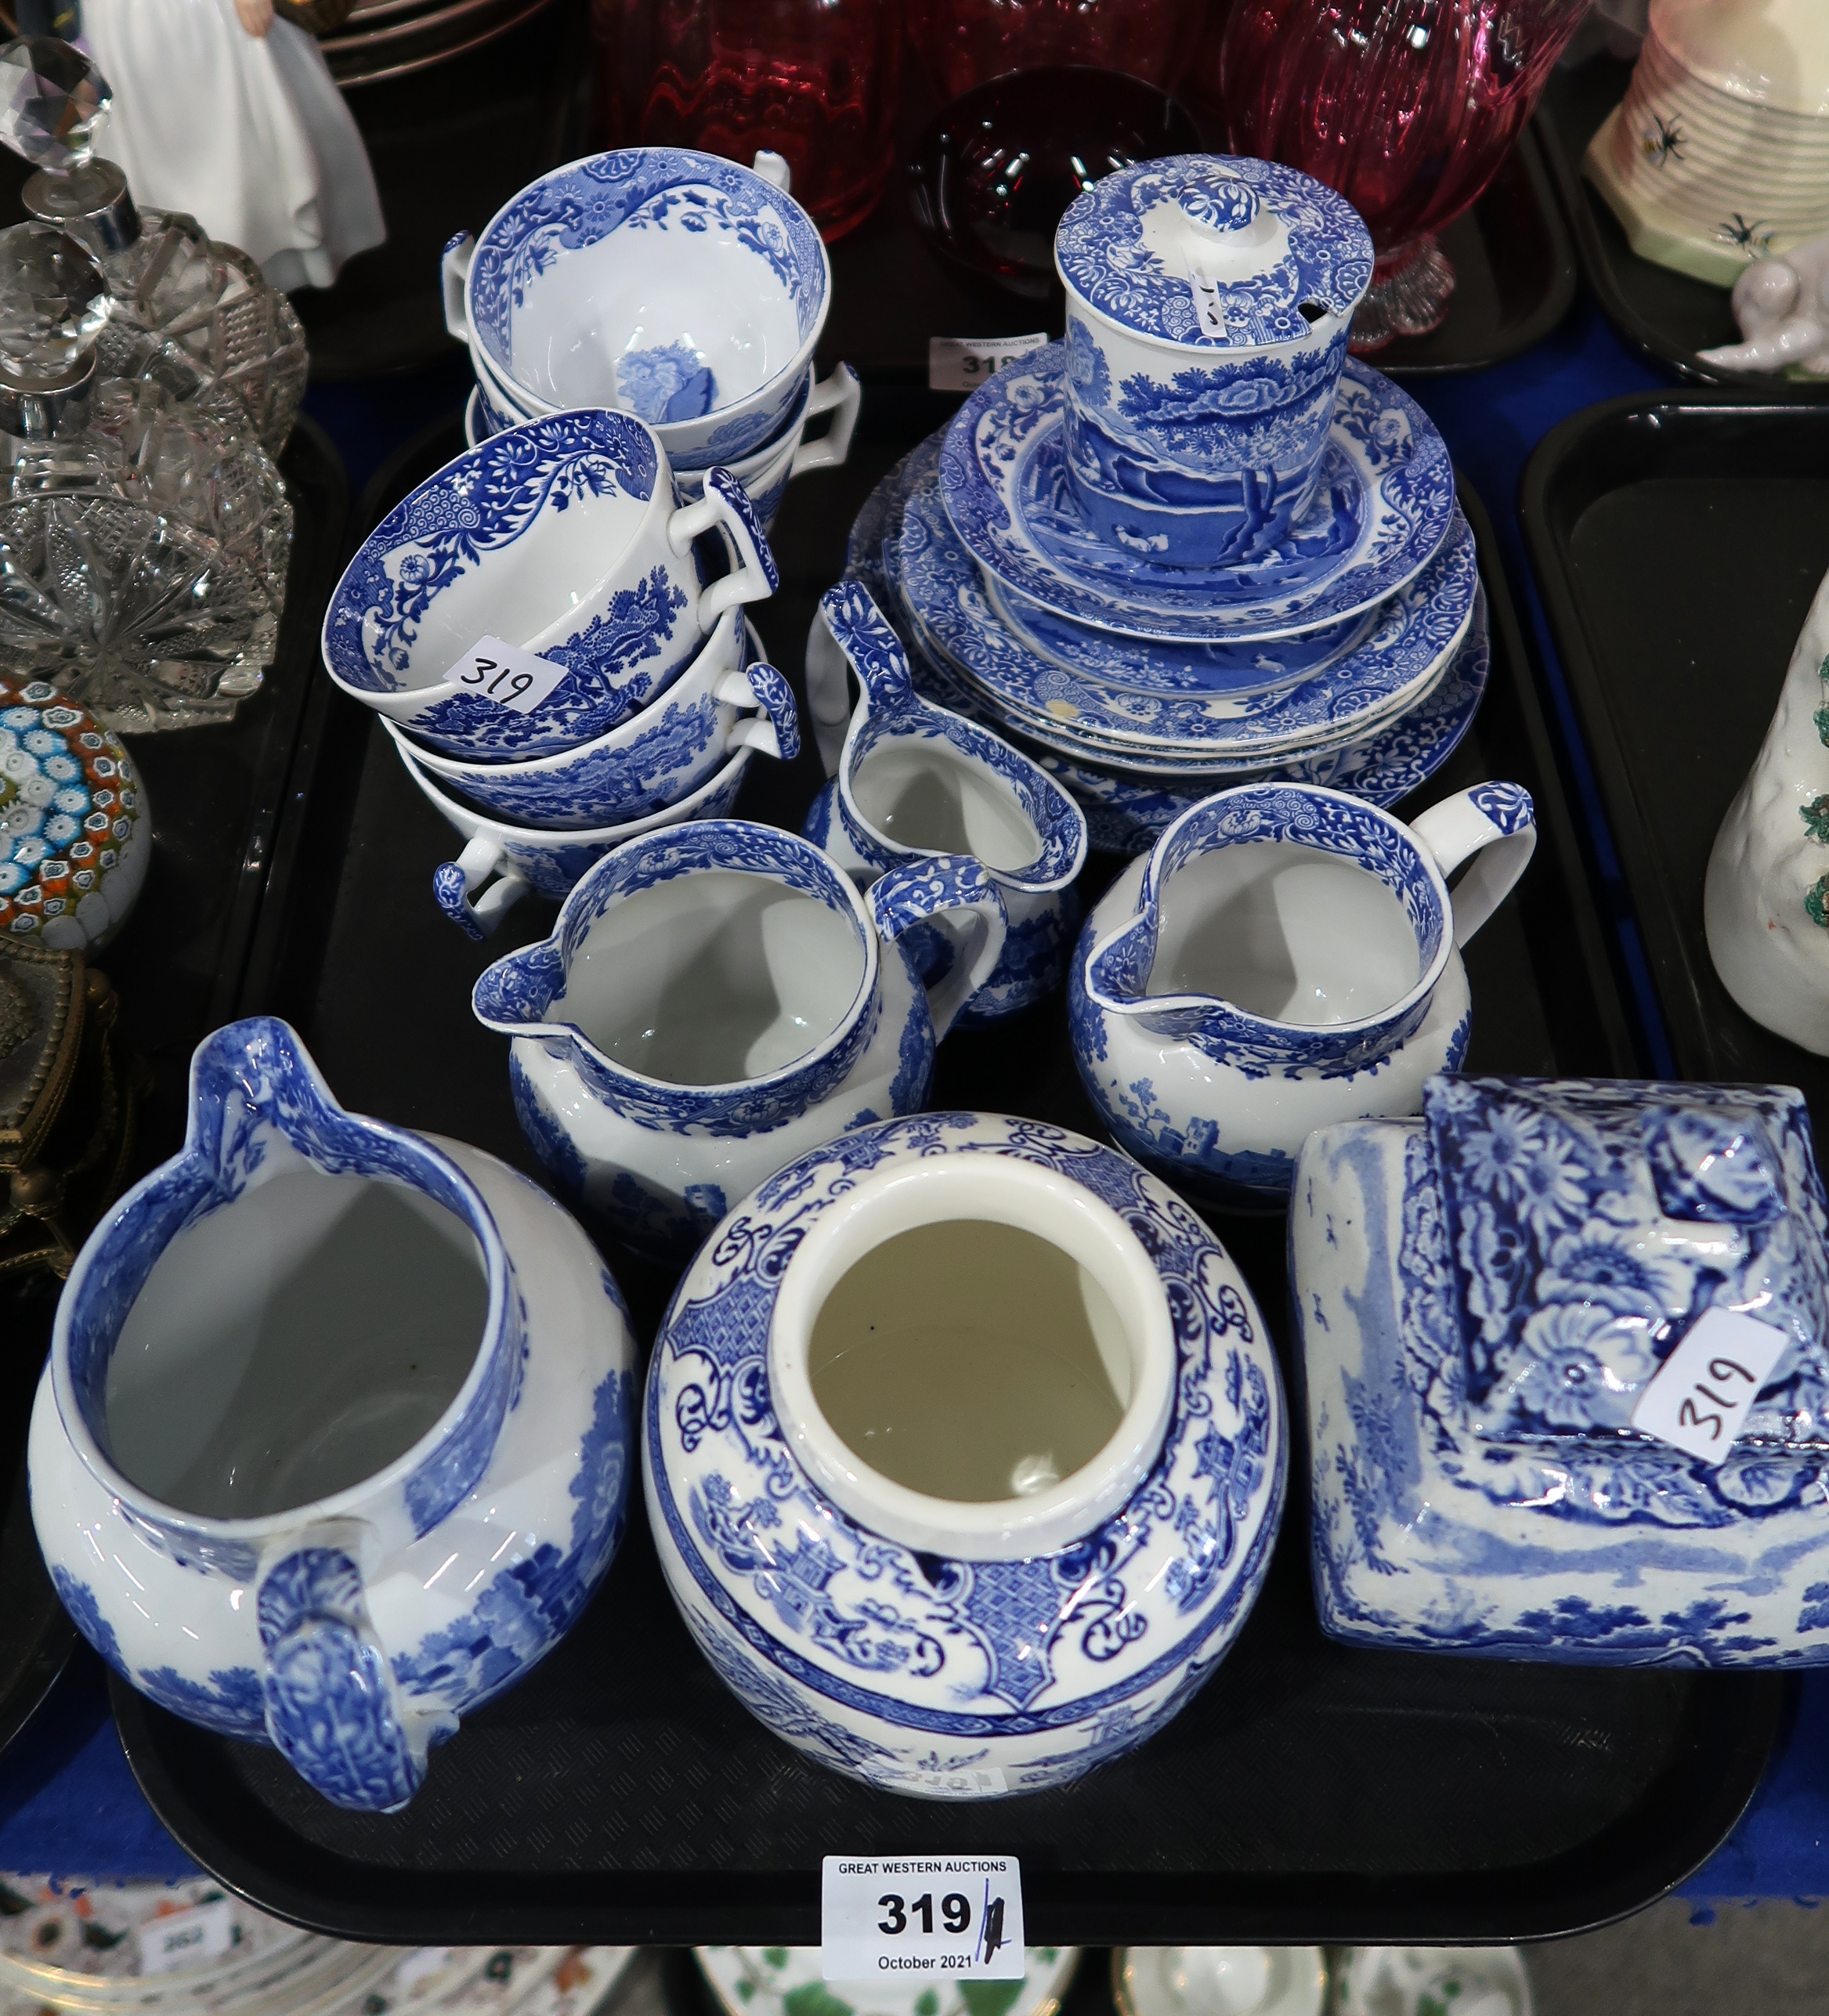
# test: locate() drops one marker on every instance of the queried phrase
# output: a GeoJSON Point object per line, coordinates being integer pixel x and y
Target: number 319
{"type": "Point", "coordinates": [954, 1911]}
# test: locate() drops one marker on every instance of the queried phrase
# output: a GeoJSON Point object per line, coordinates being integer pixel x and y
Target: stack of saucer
{"type": "Point", "coordinates": [556, 642]}
{"type": "Point", "coordinates": [674, 285]}
{"type": "Point", "coordinates": [1194, 546]}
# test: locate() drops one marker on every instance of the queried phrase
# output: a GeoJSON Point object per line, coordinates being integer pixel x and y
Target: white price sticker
{"type": "Point", "coordinates": [187, 1938]}
{"type": "Point", "coordinates": [961, 363]}
{"type": "Point", "coordinates": [884, 1917]}
{"type": "Point", "coordinates": [1698, 1400]}
{"type": "Point", "coordinates": [504, 673]}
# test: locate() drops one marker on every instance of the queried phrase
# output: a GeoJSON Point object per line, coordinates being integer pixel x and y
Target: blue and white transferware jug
{"type": "Point", "coordinates": [1209, 299]}
{"type": "Point", "coordinates": [333, 1443]}
{"type": "Point", "coordinates": [913, 781]}
{"type": "Point", "coordinates": [964, 1450]}
{"type": "Point", "coordinates": [715, 999]}
{"type": "Point", "coordinates": [1285, 956]}
{"type": "Point", "coordinates": [1565, 1345]}
{"type": "Point", "coordinates": [564, 539]}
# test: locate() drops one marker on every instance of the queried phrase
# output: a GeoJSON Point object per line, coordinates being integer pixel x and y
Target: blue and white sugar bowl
{"type": "Point", "coordinates": [964, 1449]}
{"type": "Point", "coordinates": [1209, 299]}
{"type": "Point", "coordinates": [912, 781]}
{"type": "Point", "coordinates": [1566, 1346]}
{"type": "Point", "coordinates": [334, 1441]}
{"type": "Point", "coordinates": [564, 540]}
{"type": "Point", "coordinates": [717, 997]}
{"type": "Point", "coordinates": [1284, 957]}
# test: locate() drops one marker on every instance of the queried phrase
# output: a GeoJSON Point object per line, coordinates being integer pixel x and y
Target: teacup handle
{"type": "Point", "coordinates": [453, 883]}
{"type": "Point", "coordinates": [841, 395]}
{"type": "Point", "coordinates": [755, 577]}
{"type": "Point", "coordinates": [944, 885]}
{"type": "Point", "coordinates": [774, 168]}
{"type": "Point", "coordinates": [775, 730]}
{"type": "Point", "coordinates": [453, 270]}
{"type": "Point", "coordinates": [334, 1710]}
{"type": "Point", "coordinates": [1498, 823]}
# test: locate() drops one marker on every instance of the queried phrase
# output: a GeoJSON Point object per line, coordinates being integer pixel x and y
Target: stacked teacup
{"type": "Point", "coordinates": [556, 641]}
{"type": "Point", "coordinates": [674, 285]}
{"type": "Point", "coordinates": [1195, 544]}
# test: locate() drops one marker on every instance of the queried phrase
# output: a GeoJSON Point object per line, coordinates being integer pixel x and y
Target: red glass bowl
{"type": "Point", "coordinates": [991, 173]}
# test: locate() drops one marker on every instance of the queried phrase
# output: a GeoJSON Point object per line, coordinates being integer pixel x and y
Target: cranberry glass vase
{"type": "Point", "coordinates": [817, 82]}
{"type": "Point", "coordinates": [1407, 107]}
{"type": "Point", "coordinates": [964, 42]}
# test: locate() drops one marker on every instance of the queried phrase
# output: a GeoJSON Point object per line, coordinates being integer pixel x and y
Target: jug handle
{"type": "Point", "coordinates": [937, 886]}
{"type": "Point", "coordinates": [453, 882]}
{"type": "Point", "coordinates": [1497, 822]}
{"type": "Point", "coordinates": [840, 395]}
{"type": "Point", "coordinates": [334, 1709]}
{"type": "Point", "coordinates": [775, 729]}
{"type": "Point", "coordinates": [828, 692]}
{"type": "Point", "coordinates": [454, 271]}
{"type": "Point", "coordinates": [726, 503]}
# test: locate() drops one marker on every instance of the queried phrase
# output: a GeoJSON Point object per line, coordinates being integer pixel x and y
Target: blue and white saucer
{"type": "Point", "coordinates": [1125, 811]}
{"type": "Point", "coordinates": [1410, 639]}
{"type": "Point", "coordinates": [1383, 506]}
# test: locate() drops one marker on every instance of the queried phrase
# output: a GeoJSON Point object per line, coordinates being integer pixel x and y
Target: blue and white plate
{"type": "Point", "coordinates": [1125, 810]}
{"type": "Point", "coordinates": [1411, 638]}
{"type": "Point", "coordinates": [1384, 505]}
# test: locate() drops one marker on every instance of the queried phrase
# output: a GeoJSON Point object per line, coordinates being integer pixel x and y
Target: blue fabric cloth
{"type": "Point", "coordinates": [68, 1802]}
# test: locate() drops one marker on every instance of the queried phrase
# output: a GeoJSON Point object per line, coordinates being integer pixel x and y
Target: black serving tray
{"type": "Point", "coordinates": [892, 288]}
{"type": "Point", "coordinates": [1310, 1793]}
{"type": "Point", "coordinates": [1667, 315]}
{"type": "Point", "coordinates": [1678, 540]}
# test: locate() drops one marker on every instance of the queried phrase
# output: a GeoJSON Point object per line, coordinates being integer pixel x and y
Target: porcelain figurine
{"type": "Point", "coordinates": [1720, 155]}
{"type": "Point", "coordinates": [1483, 1298]}
{"type": "Point", "coordinates": [1766, 904]}
{"type": "Point", "coordinates": [1208, 298]}
{"type": "Point", "coordinates": [564, 538]}
{"type": "Point", "coordinates": [726, 699]}
{"type": "Point", "coordinates": [334, 1442]}
{"type": "Point", "coordinates": [232, 117]}
{"type": "Point", "coordinates": [500, 862]}
{"type": "Point", "coordinates": [1284, 957]}
{"type": "Point", "coordinates": [673, 284]}
{"type": "Point", "coordinates": [912, 781]}
{"type": "Point", "coordinates": [964, 1452]}
{"type": "Point", "coordinates": [715, 999]}
{"type": "Point", "coordinates": [1782, 307]}
{"type": "Point", "coordinates": [75, 834]}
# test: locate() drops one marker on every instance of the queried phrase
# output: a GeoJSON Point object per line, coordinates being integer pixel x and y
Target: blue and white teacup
{"type": "Point", "coordinates": [534, 857]}
{"type": "Point", "coordinates": [1284, 958]}
{"type": "Point", "coordinates": [726, 699]}
{"type": "Point", "coordinates": [912, 781]}
{"type": "Point", "coordinates": [716, 999]}
{"type": "Point", "coordinates": [564, 540]}
{"type": "Point", "coordinates": [1209, 299]}
{"type": "Point", "coordinates": [673, 284]}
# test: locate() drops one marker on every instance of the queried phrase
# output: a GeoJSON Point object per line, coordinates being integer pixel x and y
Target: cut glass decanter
{"type": "Point", "coordinates": [188, 311]}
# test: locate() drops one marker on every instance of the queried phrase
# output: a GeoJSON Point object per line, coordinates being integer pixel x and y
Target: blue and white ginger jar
{"type": "Point", "coordinates": [940, 1646]}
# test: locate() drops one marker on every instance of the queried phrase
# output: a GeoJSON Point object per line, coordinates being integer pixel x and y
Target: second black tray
{"type": "Point", "coordinates": [1310, 1792]}
{"type": "Point", "coordinates": [1678, 541]}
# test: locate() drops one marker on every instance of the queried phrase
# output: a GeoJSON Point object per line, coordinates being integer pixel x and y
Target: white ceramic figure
{"type": "Point", "coordinates": [1782, 306]}
{"type": "Point", "coordinates": [1766, 904]}
{"type": "Point", "coordinates": [716, 998]}
{"type": "Point", "coordinates": [224, 113]}
{"type": "Point", "coordinates": [1719, 155]}
{"type": "Point", "coordinates": [333, 1443]}
{"type": "Point", "coordinates": [964, 1451]}
{"type": "Point", "coordinates": [1284, 957]}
